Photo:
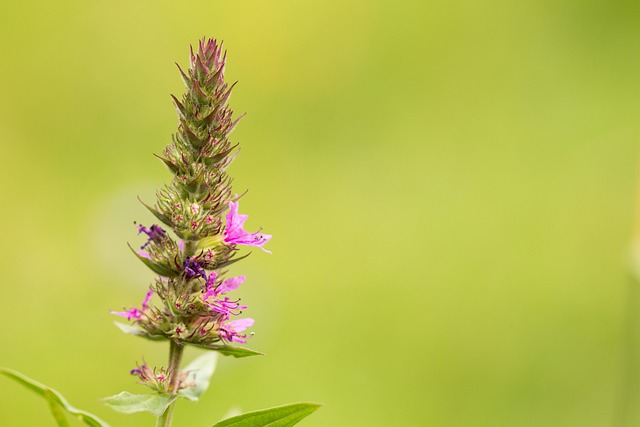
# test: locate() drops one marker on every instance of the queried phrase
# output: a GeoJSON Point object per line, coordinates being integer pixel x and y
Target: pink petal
{"type": "Point", "coordinates": [211, 280]}
{"type": "Point", "coordinates": [234, 233]}
{"type": "Point", "coordinates": [134, 313]}
{"type": "Point", "coordinates": [240, 324]}
{"type": "Point", "coordinates": [147, 298]}
{"type": "Point", "coordinates": [230, 284]}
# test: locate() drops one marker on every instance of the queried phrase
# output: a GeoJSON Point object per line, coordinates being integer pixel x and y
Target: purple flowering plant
{"type": "Point", "coordinates": [191, 302]}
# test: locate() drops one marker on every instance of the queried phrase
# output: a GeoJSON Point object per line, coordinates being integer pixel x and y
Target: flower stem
{"type": "Point", "coordinates": [175, 357]}
{"type": "Point", "coordinates": [190, 248]}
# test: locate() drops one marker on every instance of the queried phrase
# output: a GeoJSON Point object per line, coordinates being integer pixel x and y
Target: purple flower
{"type": "Point", "coordinates": [229, 331]}
{"type": "Point", "coordinates": [155, 233]}
{"type": "Point", "coordinates": [234, 233]}
{"type": "Point", "coordinates": [135, 313]}
{"type": "Point", "coordinates": [224, 306]}
{"type": "Point", "coordinates": [192, 268]}
{"type": "Point", "coordinates": [156, 379]}
{"type": "Point", "coordinates": [143, 372]}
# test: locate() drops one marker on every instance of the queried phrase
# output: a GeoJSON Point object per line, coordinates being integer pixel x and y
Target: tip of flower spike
{"type": "Point", "coordinates": [206, 59]}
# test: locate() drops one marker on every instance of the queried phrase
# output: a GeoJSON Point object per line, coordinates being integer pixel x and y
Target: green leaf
{"type": "Point", "coordinates": [156, 268]}
{"type": "Point", "coordinates": [199, 373]}
{"type": "Point", "coordinates": [55, 399]}
{"type": "Point", "coordinates": [138, 331]}
{"type": "Point", "coordinates": [280, 416]}
{"type": "Point", "coordinates": [208, 242]}
{"type": "Point", "coordinates": [227, 350]}
{"type": "Point", "coordinates": [127, 403]}
{"type": "Point", "coordinates": [56, 410]}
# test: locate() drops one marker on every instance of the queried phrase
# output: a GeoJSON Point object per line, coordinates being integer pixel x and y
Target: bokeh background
{"type": "Point", "coordinates": [450, 186]}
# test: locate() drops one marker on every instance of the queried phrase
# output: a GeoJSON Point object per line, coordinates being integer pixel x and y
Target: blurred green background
{"type": "Point", "coordinates": [450, 186]}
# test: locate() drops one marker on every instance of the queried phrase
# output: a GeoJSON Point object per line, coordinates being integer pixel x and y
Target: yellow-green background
{"type": "Point", "coordinates": [450, 186]}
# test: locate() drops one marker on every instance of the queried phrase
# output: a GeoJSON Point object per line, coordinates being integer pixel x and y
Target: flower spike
{"type": "Point", "coordinates": [200, 229]}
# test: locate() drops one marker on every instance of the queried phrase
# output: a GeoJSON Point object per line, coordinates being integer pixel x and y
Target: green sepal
{"type": "Point", "coordinates": [210, 161]}
{"type": "Point", "coordinates": [199, 373]}
{"type": "Point", "coordinates": [198, 94]}
{"type": "Point", "coordinates": [231, 261]}
{"type": "Point", "coordinates": [170, 165]}
{"type": "Point", "coordinates": [55, 399]}
{"type": "Point", "coordinates": [185, 79]}
{"type": "Point", "coordinates": [208, 119]}
{"type": "Point", "coordinates": [235, 123]}
{"type": "Point", "coordinates": [201, 70]}
{"type": "Point", "coordinates": [227, 350]}
{"type": "Point", "coordinates": [162, 217]}
{"type": "Point", "coordinates": [223, 100]}
{"type": "Point", "coordinates": [156, 268]}
{"type": "Point", "coordinates": [191, 137]}
{"type": "Point", "coordinates": [193, 186]}
{"type": "Point", "coordinates": [138, 331]}
{"type": "Point", "coordinates": [215, 76]}
{"type": "Point", "coordinates": [182, 111]}
{"type": "Point", "coordinates": [128, 403]}
{"type": "Point", "coordinates": [280, 416]}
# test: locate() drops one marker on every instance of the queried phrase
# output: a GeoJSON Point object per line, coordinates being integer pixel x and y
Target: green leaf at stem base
{"type": "Point", "coordinates": [128, 403]}
{"type": "Point", "coordinates": [56, 401]}
{"type": "Point", "coordinates": [199, 374]}
{"type": "Point", "coordinates": [280, 416]}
